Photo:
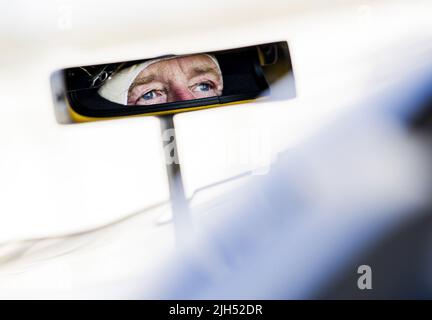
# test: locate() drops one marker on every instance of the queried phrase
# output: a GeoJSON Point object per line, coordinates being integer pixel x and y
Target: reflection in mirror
{"type": "Point", "coordinates": [164, 80]}
{"type": "Point", "coordinates": [174, 83]}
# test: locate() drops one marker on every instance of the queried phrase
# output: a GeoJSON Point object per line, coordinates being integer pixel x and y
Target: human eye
{"type": "Point", "coordinates": [203, 87]}
{"type": "Point", "coordinates": [152, 94]}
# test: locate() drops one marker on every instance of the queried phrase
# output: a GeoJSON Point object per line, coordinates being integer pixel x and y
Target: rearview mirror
{"type": "Point", "coordinates": [172, 83]}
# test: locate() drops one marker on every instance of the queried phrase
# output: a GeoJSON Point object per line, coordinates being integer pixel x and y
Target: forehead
{"type": "Point", "coordinates": [186, 64]}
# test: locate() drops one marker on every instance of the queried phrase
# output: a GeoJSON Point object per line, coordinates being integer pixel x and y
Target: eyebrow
{"type": "Point", "coordinates": [140, 81]}
{"type": "Point", "coordinates": [197, 71]}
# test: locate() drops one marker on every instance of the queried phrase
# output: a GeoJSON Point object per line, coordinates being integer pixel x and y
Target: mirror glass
{"type": "Point", "coordinates": [173, 83]}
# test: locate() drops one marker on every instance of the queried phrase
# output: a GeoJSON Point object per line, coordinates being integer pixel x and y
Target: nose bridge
{"type": "Point", "coordinates": [179, 89]}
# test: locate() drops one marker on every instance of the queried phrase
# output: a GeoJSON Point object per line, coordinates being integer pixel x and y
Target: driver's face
{"type": "Point", "coordinates": [182, 78]}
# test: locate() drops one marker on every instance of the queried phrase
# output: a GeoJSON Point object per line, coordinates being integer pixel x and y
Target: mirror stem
{"type": "Point", "coordinates": [179, 202]}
